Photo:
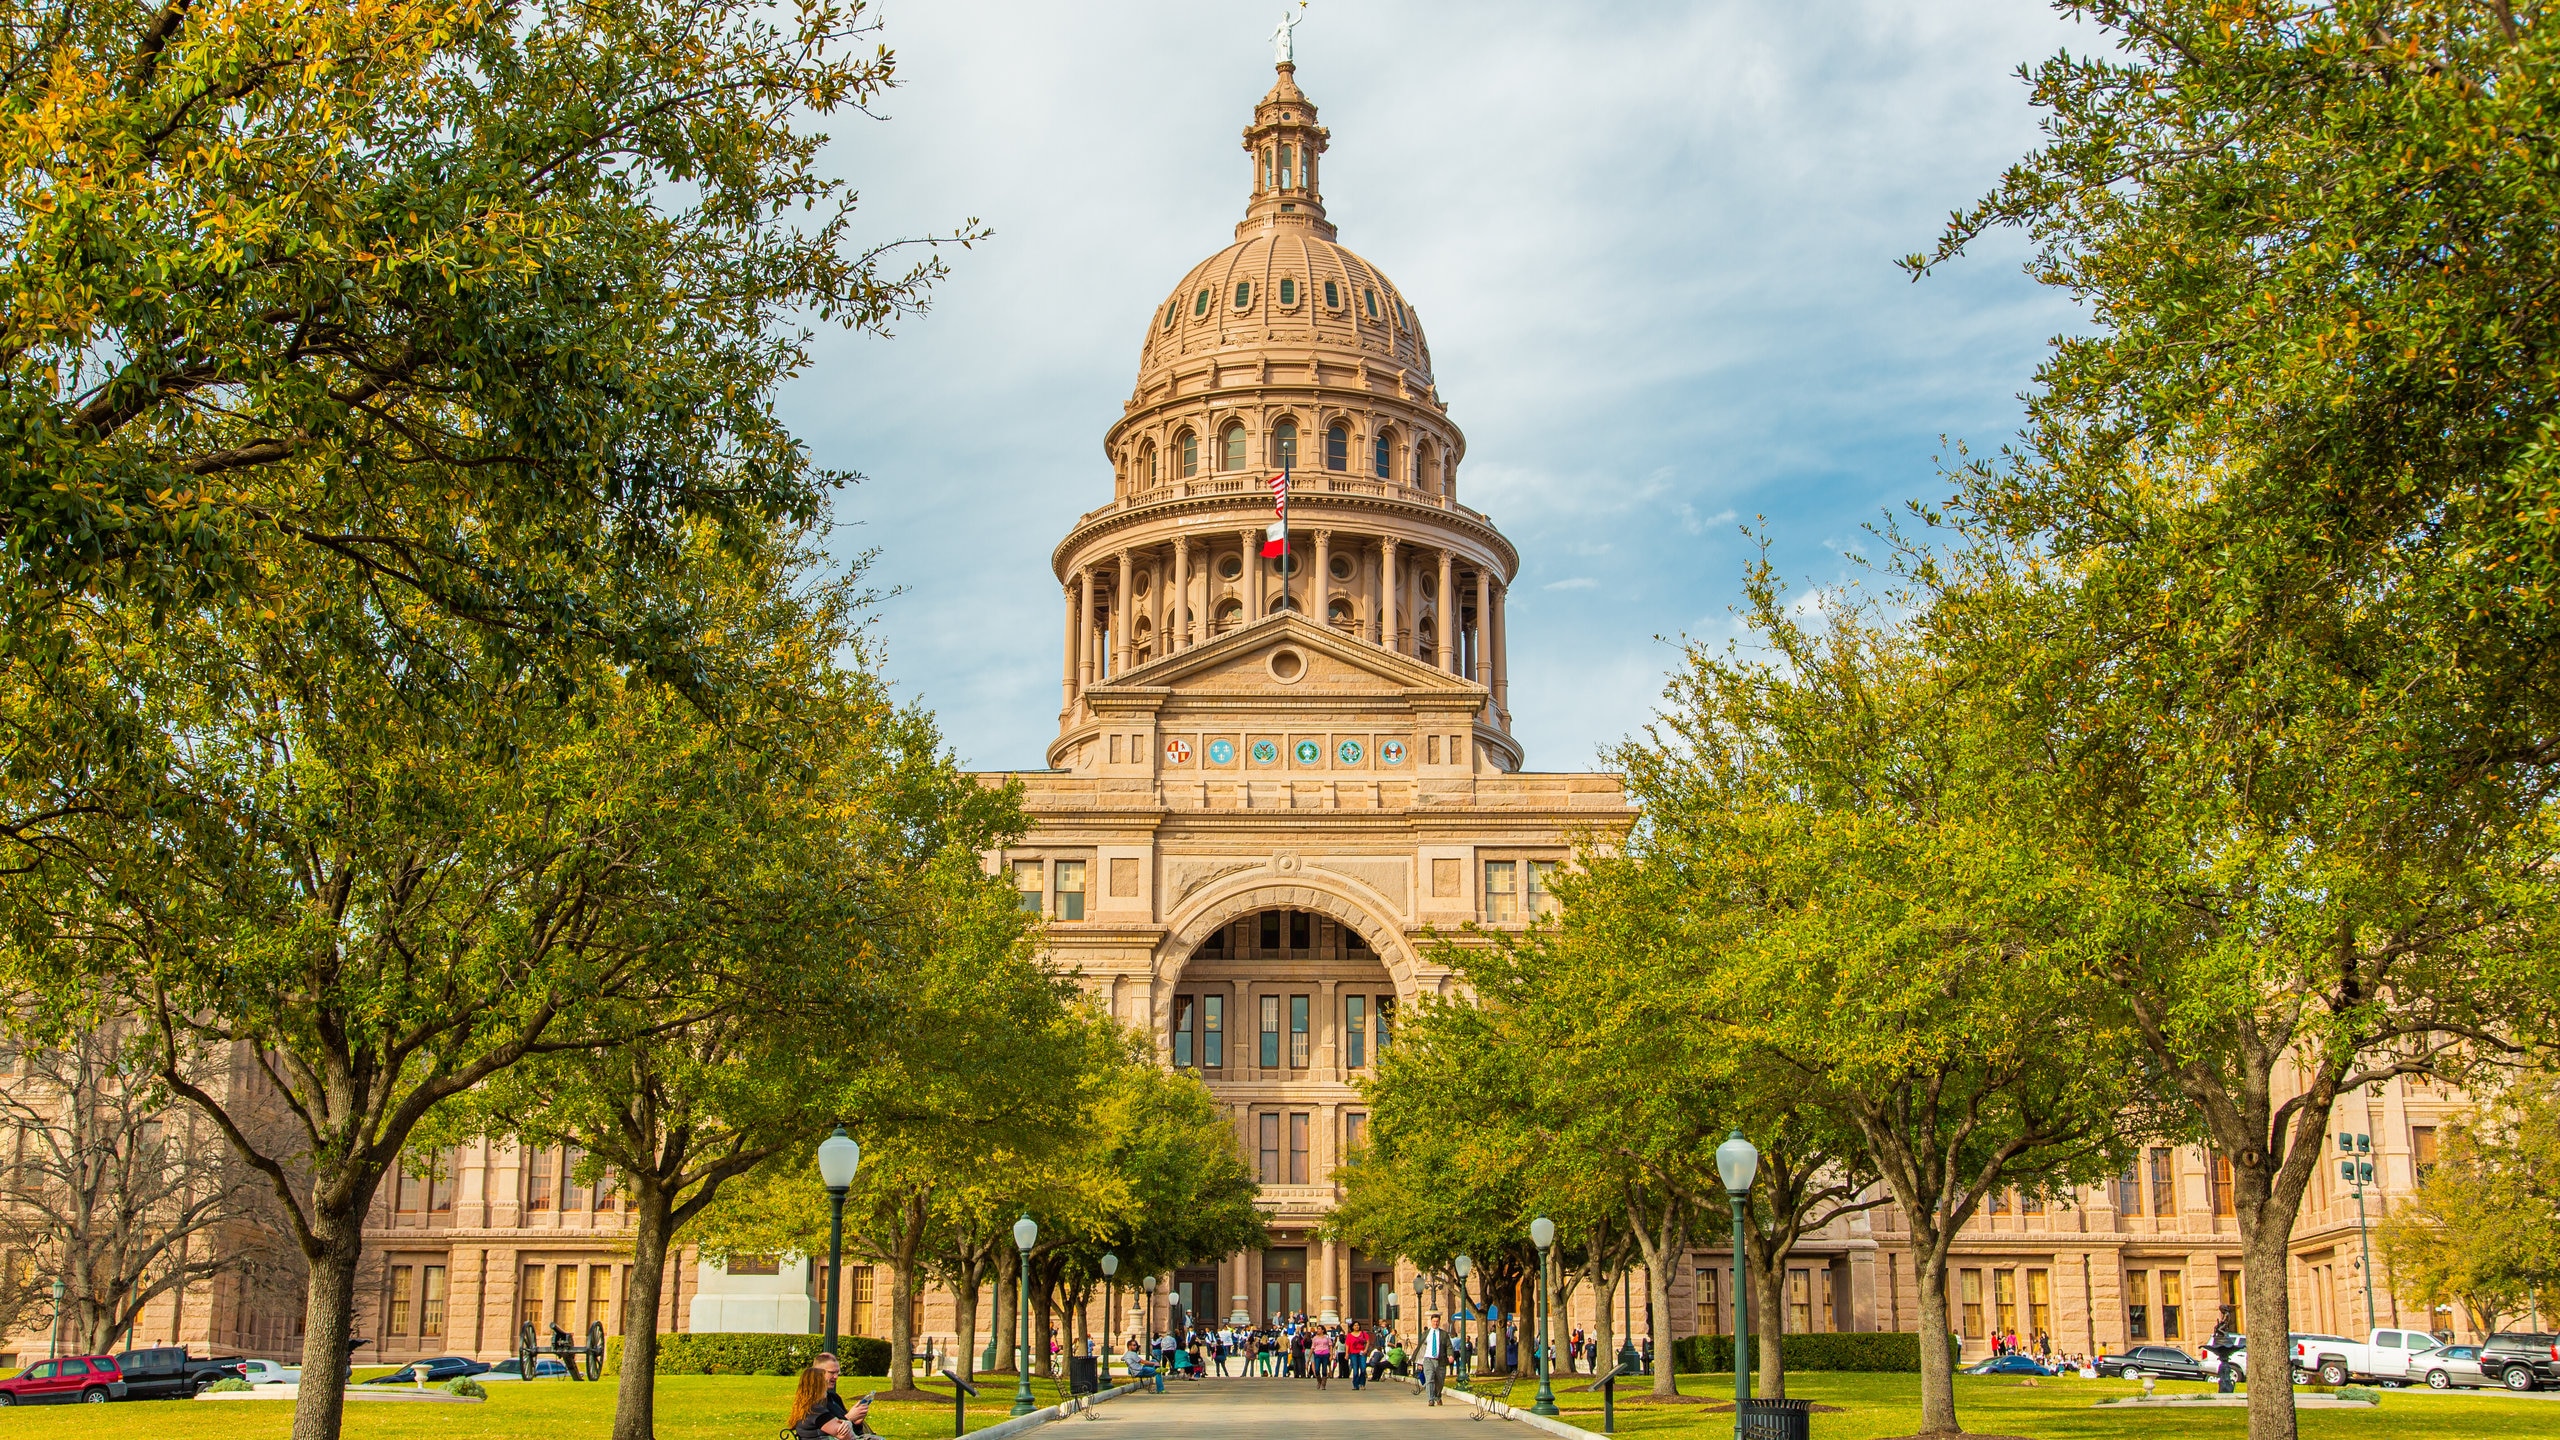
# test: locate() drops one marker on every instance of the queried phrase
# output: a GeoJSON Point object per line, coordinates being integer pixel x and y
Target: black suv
{"type": "Point", "coordinates": [170, 1373]}
{"type": "Point", "coordinates": [2165, 1362]}
{"type": "Point", "coordinates": [2521, 1359]}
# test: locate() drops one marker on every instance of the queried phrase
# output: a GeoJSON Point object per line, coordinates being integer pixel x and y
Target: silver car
{"type": "Point", "coordinates": [2457, 1367]}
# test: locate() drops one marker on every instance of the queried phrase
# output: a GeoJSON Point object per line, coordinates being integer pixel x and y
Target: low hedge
{"type": "Point", "coordinates": [1893, 1352]}
{"type": "Point", "coordinates": [690, 1353]}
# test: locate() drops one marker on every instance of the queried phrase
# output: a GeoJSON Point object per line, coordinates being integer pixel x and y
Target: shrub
{"type": "Point", "coordinates": [1895, 1352]}
{"type": "Point", "coordinates": [232, 1386]}
{"type": "Point", "coordinates": [741, 1354]}
{"type": "Point", "coordinates": [2359, 1392]}
{"type": "Point", "coordinates": [466, 1387]}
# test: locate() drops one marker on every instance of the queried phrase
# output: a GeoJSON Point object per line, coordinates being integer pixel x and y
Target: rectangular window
{"type": "Point", "coordinates": [1999, 1204]}
{"type": "Point", "coordinates": [2031, 1203]}
{"type": "Point", "coordinates": [1298, 1149]}
{"type": "Point", "coordinates": [1355, 1132]}
{"type": "Point", "coordinates": [1386, 1016]}
{"type": "Point", "coordinates": [399, 1299]}
{"type": "Point", "coordinates": [564, 1299]}
{"type": "Point", "coordinates": [538, 1182]}
{"type": "Point", "coordinates": [1300, 1042]}
{"type": "Point", "coordinates": [1213, 1031]}
{"type": "Point", "coordinates": [1270, 1149]}
{"type": "Point", "coordinates": [2129, 1192]}
{"type": "Point", "coordinates": [1799, 1302]}
{"type": "Point", "coordinates": [2222, 1185]}
{"type": "Point", "coordinates": [1710, 1301]}
{"type": "Point", "coordinates": [1027, 881]}
{"type": "Point", "coordinates": [2173, 1304]}
{"type": "Point", "coordinates": [1270, 1032]}
{"type": "Point", "coordinates": [1301, 930]}
{"type": "Point", "coordinates": [1501, 891]}
{"type": "Point", "coordinates": [2422, 1149]}
{"type": "Point", "coordinates": [1380, 461]}
{"type": "Point", "coordinates": [2004, 1300]}
{"type": "Point", "coordinates": [1969, 1293]}
{"type": "Point", "coordinates": [406, 1190]}
{"type": "Point", "coordinates": [1190, 454]}
{"type": "Point", "coordinates": [573, 1196]}
{"type": "Point", "coordinates": [529, 1299]}
{"type": "Point", "coordinates": [1182, 1017]}
{"type": "Point", "coordinates": [1270, 928]}
{"type": "Point", "coordinates": [2233, 1311]}
{"type": "Point", "coordinates": [858, 1300]}
{"type": "Point", "coordinates": [1070, 889]}
{"type": "Point", "coordinates": [1542, 895]}
{"type": "Point", "coordinates": [605, 1200]}
{"type": "Point", "coordinates": [2164, 1192]}
{"type": "Point", "coordinates": [599, 1294]}
{"type": "Point", "coordinates": [1355, 1030]}
{"type": "Point", "coordinates": [2039, 1305]}
{"type": "Point", "coordinates": [430, 1302]}
{"type": "Point", "coordinates": [2137, 1304]}
{"type": "Point", "coordinates": [440, 1182]}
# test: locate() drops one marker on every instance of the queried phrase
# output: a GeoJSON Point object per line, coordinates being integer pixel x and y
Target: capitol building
{"type": "Point", "coordinates": [1272, 777]}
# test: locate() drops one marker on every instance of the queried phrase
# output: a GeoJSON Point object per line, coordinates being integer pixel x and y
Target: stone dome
{"type": "Point", "coordinates": [1287, 286]}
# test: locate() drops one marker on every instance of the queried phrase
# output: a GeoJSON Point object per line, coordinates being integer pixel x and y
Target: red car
{"type": "Point", "coordinates": [91, 1379]}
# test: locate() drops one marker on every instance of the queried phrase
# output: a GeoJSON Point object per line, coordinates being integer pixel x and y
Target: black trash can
{"type": "Point", "coordinates": [1084, 1374]}
{"type": "Point", "coordinates": [1777, 1420]}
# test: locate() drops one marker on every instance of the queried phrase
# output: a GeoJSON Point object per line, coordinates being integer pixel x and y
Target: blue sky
{"type": "Point", "coordinates": [1652, 244]}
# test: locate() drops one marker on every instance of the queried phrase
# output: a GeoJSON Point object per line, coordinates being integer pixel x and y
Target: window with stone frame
{"type": "Point", "coordinates": [1213, 1032]}
{"type": "Point", "coordinates": [1337, 448]}
{"type": "Point", "coordinates": [1383, 455]}
{"type": "Point", "coordinates": [1501, 892]}
{"type": "Point", "coordinates": [538, 1191]}
{"type": "Point", "coordinates": [1268, 1126]}
{"type": "Point", "coordinates": [2164, 1184]}
{"type": "Point", "coordinates": [1029, 882]}
{"type": "Point", "coordinates": [1270, 1032]}
{"type": "Point", "coordinates": [1301, 1041]}
{"type": "Point", "coordinates": [1070, 886]}
{"type": "Point", "coordinates": [1355, 1031]}
{"type": "Point", "coordinates": [1284, 445]}
{"type": "Point", "coordinates": [1188, 446]}
{"type": "Point", "coordinates": [1232, 444]}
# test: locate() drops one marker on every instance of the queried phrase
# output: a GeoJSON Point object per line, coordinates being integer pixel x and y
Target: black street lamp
{"type": "Point", "coordinates": [54, 1346]}
{"type": "Point", "coordinates": [1110, 1267]}
{"type": "Point", "coordinates": [1542, 1233]}
{"type": "Point", "coordinates": [1466, 1302]}
{"type": "Point", "coordinates": [838, 1158]}
{"type": "Point", "coordinates": [1738, 1164]}
{"type": "Point", "coordinates": [1026, 1234]}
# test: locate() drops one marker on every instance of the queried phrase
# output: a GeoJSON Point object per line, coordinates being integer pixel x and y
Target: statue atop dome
{"type": "Point", "coordinates": [1284, 44]}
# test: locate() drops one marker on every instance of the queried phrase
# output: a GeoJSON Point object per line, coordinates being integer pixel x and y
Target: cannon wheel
{"type": "Point", "coordinates": [595, 1349]}
{"type": "Point", "coordinates": [528, 1349]}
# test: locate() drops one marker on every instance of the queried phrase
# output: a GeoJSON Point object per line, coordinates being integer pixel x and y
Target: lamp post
{"type": "Point", "coordinates": [1737, 1163]}
{"type": "Point", "coordinates": [54, 1346]}
{"type": "Point", "coordinates": [1147, 1327]}
{"type": "Point", "coordinates": [1466, 1302]}
{"type": "Point", "coordinates": [1026, 1234]}
{"type": "Point", "coordinates": [838, 1158]}
{"type": "Point", "coordinates": [1110, 1267]}
{"type": "Point", "coordinates": [1542, 1233]}
{"type": "Point", "coordinates": [2359, 1173]}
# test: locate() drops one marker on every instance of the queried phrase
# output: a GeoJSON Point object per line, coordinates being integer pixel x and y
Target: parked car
{"type": "Point", "coordinates": [168, 1372]}
{"type": "Point", "coordinates": [2394, 1357]}
{"type": "Point", "coordinates": [2521, 1359]}
{"type": "Point", "coordinates": [87, 1379]}
{"type": "Point", "coordinates": [2210, 1355]}
{"type": "Point", "coordinates": [544, 1368]}
{"type": "Point", "coordinates": [2456, 1367]}
{"type": "Point", "coordinates": [268, 1372]}
{"type": "Point", "coordinates": [439, 1369]}
{"type": "Point", "coordinates": [2165, 1362]}
{"type": "Point", "coordinates": [2008, 1365]}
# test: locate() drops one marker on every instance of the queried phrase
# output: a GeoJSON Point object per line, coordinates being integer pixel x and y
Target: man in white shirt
{"type": "Point", "coordinates": [1433, 1356]}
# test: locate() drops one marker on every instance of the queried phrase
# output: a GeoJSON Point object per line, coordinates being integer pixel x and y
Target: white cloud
{"type": "Point", "coordinates": [1651, 244]}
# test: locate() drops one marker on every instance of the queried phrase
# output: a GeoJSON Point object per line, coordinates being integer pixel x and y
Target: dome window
{"type": "Point", "coordinates": [1337, 449]}
{"type": "Point", "coordinates": [1149, 455]}
{"type": "Point", "coordinates": [1342, 566]}
{"type": "Point", "coordinates": [1386, 454]}
{"type": "Point", "coordinates": [1288, 291]}
{"type": "Point", "coordinates": [1172, 308]}
{"type": "Point", "coordinates": [1284, 445]}
{"type": "Point", "coordinates": [1233, 443]}
{"type": "Point", "coordinates": [1332, 296]}
{"type": "Point", "coordinates": [1285, 182]}
{"type": "Point", "coordinates": [1230, 566]}
{"type": "Point", "coordinates": [1190, 445]}
{"type": "Point", "coordinates": [1200, 306]}
{"type": "Point", "coordinates": [1369, 298]}
{"type": "Point", "coordinates": [1244, 293]}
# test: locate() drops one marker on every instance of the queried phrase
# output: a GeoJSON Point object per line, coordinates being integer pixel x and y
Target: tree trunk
{"type": "Point", "coordinates": [328, 1320]}
{"type": "Point", "coordinates": [1007, 1299]}
{"type": "Point", "coordinates": [1768, 1298]}
{"type": "Point", "coordinates": [902, 1338]}
{"type": "Point", "coordinates": [2268, 1311]}
{"type": "Point", "coordinates": [635, 1396]}
{"type": "Point", "coordinates": [964, 1316]}
{"type": "Point", "coordinates": [1604, 1335]}
{"type": "Point", "coordinates": [1043, 1313]}
{"type": "Point", "coordinates": [1937, 1357]}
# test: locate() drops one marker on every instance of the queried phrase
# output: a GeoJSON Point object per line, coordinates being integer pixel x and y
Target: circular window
{"type": "Point", "coordinates": [1230, 566]}
{"type": "Point", "coordinates": [1288, 666]}
{"type": "Point", "coordinates": [1285, 563]}
{"type": "Point", "coordinates": [1138, 583]}
{"type": "Point", "coordinates": [1342, 567]}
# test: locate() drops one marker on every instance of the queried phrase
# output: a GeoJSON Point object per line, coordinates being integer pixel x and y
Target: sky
{"type": "Point", "coordinates": [1652, 244]}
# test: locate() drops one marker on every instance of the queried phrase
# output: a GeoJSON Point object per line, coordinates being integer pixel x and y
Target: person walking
{"type": "Point", "coordinates": [1320, 1350]}
{"type": "Point", "coordinates": [1434, 1355]}
{"type": "Point", "coordinates": [1356, 1345]}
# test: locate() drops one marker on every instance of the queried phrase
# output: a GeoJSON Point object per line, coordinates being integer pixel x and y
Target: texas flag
{"type": "Point", "coordinates": [1275, 541]}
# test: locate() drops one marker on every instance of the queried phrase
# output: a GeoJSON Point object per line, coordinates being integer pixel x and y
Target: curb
{"type": "Point", "coordinates": [1513, 1412]}
{"type": "Point", "coordinates": [1023, 1424]}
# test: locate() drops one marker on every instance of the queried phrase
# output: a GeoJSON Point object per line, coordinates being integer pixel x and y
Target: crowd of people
{"type": "Point", "coordinates": [1292, 1348]}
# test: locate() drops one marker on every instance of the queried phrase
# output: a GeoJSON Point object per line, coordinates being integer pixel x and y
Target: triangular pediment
{"type": "Point", "coordinates": [1317, 662]}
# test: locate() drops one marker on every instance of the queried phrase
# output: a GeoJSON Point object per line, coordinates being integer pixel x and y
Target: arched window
{"type": "Point", "coordinates": [1284, 445]}
{"type": "Point", "coordinates": [1337, 449]}
{"type": "Point", "coordinates": [1426, 467]}
{"type": "Point", "coordinates": [1426, 637]}
{"type": "Point", "coordinates": [1385, 460]}
{"type": "Point", "coordinates": [1338, 613]}
{"type": "Point", "coordinates": [1230, 614]}
{"type": "Point", "coordinates": [1233, 444]}
{"type": "Point", "coordinates": [1244, 293]}
{"type": "Point", "coordinates": [1149, 464]}
{"type": "Point", "coordinates": [1288, 291]}
{"type": "Point", "coordinates": [1190, 447]}
{"type": "Point", "coordinates": [1285, 167]}
{"type": "Point", "coordinates": [1279, 601]}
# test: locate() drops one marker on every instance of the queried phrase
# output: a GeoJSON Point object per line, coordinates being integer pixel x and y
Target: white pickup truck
{"type": "Point", "coordinates": [2395, 1356]}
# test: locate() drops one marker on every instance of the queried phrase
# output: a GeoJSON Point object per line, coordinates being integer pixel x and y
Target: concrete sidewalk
{"type": "Point", "coordinates": [1256, 1409]}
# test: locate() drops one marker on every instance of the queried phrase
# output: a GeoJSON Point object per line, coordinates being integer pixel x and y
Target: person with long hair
{"type": "Point", "coordinates": [818, 1413]}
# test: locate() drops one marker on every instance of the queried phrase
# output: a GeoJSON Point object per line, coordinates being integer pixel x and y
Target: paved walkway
{"type": "Point", "coordinates": [1280, 1410]}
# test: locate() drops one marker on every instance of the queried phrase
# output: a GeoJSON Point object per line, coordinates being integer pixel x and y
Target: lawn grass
{"type": "Point", "coordinates": [1874, 1406]}
{"type": "Point", "coordinates": [690, 1407]}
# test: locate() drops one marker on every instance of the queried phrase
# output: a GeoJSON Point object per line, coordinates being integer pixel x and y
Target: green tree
{"type": "Point", "coordinates": [2479, 1230]}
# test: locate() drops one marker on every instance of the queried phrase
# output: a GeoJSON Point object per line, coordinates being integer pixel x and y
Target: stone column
{"type": "Point", "coordinates": [1124, 618]}
{"type": "Point", "coordinates": [1442, 651]}
{"type": "Point", "coordinates": [1178, 632]}
{"type": "Point", "coordinates": [1319, 600]}
{"type": "Point", "coordinates": [1501, 659]}
{"type": "Point", "coordinates": [1484, 629]}
{"type": "Point", "coordinates": [1067, 658]}
{"type": "Point", "coordinates": [1386, 606]}
{"type": "Point", "coordinates": [1327, 1308]}
{"type": "Point", "coordinates": [1084, 633]}
{"type": "Point", "coordinates": [1249, 579]}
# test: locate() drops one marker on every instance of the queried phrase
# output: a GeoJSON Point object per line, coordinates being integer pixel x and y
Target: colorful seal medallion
{"type": "Point", "coordinates": [1177, 752]}
{"type": "Point", "coordinates": [1309, 752]}
{"type": "Point", "coordinates": [1349, 750]}
{"type": "Point", "coordinates": [1391, 752]}
{"type": "Point", "coordinates": [1265, 753]}
{"type": "Point", "coordinates": [1222, 752]}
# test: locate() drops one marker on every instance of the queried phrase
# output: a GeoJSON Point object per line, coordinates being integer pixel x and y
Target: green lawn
{"type": "Point", "coordinates": [690, 1407]}
{"type": "Point", "coordinates": [2060, 1409]}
